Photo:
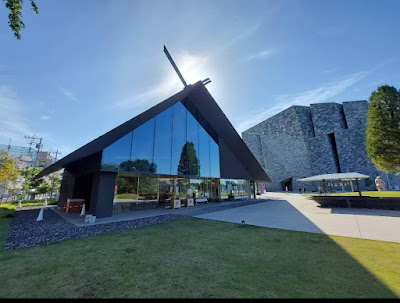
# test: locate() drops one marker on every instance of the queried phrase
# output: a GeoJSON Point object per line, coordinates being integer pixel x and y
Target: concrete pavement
{"type": "Point", "coordinates": [295, 212]}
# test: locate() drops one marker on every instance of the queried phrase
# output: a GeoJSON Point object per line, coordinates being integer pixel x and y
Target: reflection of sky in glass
{"type": "Point", "coordinates": [204, 152]}
{"type": "Point", "coordinates": [214, 159]}
{"type": "Point", "coordinates": [143, 138]}
{"type": "Point", "coordinates": [193, 137]}
{"type": "Point", "coordinates": [161, 140]}
{"type": "Point", "coordinates": [179, 135]}
{"type": "Point", "coordinates": [162, 143]}
{"type": "Point", "coordinates": [118, 152]}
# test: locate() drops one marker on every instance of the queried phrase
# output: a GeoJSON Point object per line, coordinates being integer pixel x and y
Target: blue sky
{"type": "Point", "coordinates": [84, 67]}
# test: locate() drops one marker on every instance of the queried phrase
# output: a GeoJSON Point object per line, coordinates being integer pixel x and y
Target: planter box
{"type": "Point", "coordinates": [392, 203]}
{"type": "Point", "coordinates": [190, 202]}
{"type": "Point", "coordinates": [175, 203]}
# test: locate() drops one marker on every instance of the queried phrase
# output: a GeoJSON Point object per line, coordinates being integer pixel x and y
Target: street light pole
{"type": "Point", "coordinates": [52, 181]}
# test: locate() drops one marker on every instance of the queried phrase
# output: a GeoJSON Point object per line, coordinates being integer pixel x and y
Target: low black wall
{"type": "Point", "coordinates": [392, 203]}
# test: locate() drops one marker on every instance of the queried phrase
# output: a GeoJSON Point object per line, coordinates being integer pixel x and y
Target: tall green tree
{"type": "Point", "coordinates": [15, 15]}
{"type": "Point", "coordinates": [8, 170]}
{"type": "Point", "coordinates": [188, 163]}
{"type": "Point", "coordinates": [383, 129]}
{"type": "Point", "coordinates": [29, 182]}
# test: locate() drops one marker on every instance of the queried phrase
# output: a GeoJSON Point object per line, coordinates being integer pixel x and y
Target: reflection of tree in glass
{"type": "Point", "coordinates": [188, 163]}
{"type": "Point", "coordinates": [148, 187]}
{"type": "Point", "coordinates": [126, 184]}
{"type": "Point", "coordinates": [139, 165]}
{"type": "Point", "coordinates": [109, 166]}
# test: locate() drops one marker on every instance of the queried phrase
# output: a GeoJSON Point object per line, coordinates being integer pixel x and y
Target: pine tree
{"type": "Point", "coordinates": [383, 129]}
{"type": "Point", "coordinates": [188, 163]}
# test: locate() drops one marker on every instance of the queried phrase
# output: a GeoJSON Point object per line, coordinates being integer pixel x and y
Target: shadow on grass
{"type": "Point", "coordinates": [201, 258]}
{"type": "Point", "coordinates": [279, 213]}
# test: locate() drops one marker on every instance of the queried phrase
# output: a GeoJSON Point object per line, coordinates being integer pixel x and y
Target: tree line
{"type": "Point", "coordinates": [9, 173]}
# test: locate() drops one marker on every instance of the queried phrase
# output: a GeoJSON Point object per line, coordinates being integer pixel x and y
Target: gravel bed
{"type": "Point", "coordinates": [26, 232]}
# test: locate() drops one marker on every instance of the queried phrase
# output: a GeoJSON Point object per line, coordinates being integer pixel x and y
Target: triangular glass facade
{"type": "Point", "coordinates": [171, 143]}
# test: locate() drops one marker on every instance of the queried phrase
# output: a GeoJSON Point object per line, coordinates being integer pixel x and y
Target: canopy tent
{"type": "Point", "coordinates": [338, 176]}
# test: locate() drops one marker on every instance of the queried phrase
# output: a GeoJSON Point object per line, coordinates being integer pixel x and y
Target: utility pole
{"type": "Point", "coordinates": [52, 181]}
{"type": "Point", "coordinates": [38, 145]}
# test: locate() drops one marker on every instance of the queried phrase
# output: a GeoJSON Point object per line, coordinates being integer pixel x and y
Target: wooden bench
{"type": "Point", "coordinates": [201, 200]}
{"type": "Point", "coordinates": [73, 205]}
{"type": "Point", "coordinates": [243, 197]}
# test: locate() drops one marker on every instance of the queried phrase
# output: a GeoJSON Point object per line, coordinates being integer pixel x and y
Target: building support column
{"type": "Point", "coordinates": [358, 187]}
{"type": "Point", "coordinates": [101, 204]}
{"type": "Point", "coordinates": [67, 188]}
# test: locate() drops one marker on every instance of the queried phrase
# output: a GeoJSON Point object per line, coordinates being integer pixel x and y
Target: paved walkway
{"type": "Point", "coordinates": [295, 212]}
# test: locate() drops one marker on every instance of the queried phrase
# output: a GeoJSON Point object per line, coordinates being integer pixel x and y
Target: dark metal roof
{"type": "Point", "coordinates": [199, 96]}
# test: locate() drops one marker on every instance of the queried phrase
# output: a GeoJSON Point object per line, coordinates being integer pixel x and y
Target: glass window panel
{"type": "Point", "coordinates": [200, 188]}
{"type": "Point", "coordinates": [148, 188]}
{"type": "Point", "coordinates": [214, 159]}
{"type": "Point", "coordinates": [126, 189]}
{"type": "Point", "coordinates": [181, 188]}
{"type": "Point", "coordinates": [225, 188]}
{"type": "Point", "coordinates": [192, 146]}
{"type": "Point", "coordinates": [179, 164]}
{"type": "Point", "coordinates": [231, 188]}
{"type": "Point", "coordinates": [117, 155]}
{"type": "Point", "coordinates": [142, 148]}
{"type": "Point", "coordinates": [166, 186]}
{"type": "Point", "coordinates": [162, 142]}
{"type": "Point", "coordinates": [204, 152]}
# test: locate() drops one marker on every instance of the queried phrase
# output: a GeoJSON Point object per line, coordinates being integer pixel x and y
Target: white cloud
{"type": "Point", "coordinates": [317, 95]}
{"type": "Point", "coordinates": [45, 117]}
{"type": "Point", "coordinates": [17, 120]}
{"type": "Point", "coordinates": [12, 111]}
{"type": "Point", "coordinates": [190, 66]}
{"type": "Point", "coordinates": [69, 94]}
{"type": "Point", "coordinates": [263, 54]}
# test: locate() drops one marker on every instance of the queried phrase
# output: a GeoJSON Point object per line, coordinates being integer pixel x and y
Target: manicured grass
{"type": "Point", "coordinates": [203, 258]}
{"type": "Point", "coordinates": [364, 193]}
{"type": "Point", "coordinates": [126, 196]}
{"type": "Point", "coordinates": [14, 204]}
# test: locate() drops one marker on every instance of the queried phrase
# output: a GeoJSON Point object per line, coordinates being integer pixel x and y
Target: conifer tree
{"type": "Point", "coordinates": [383, 129]}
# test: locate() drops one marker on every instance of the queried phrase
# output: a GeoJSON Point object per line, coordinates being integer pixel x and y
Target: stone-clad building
{"type": "Point", "coordinates": [322, 138]}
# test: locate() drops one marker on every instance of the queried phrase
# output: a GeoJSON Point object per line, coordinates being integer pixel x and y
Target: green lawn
{"type": "Point", "coordinates": [14, 204]}
{"type": "Point", "coordinates": [126, 196]}
{"type": "Point", "coordinates": [364, 193]}
{"type": "Point", "coordinates": [202, 258]}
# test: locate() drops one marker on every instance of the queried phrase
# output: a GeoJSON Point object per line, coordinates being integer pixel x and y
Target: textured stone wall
{"type": "Point", "coordinates": [296, 143]}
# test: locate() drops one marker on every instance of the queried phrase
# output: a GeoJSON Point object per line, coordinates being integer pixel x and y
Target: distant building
{"type": "Point", "coordinates": [26, 156]}
{"type": "Point", "coordinates": [322, 138]}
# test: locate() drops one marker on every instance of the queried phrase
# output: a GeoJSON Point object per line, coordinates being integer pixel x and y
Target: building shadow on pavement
{"type": "Point", "coordinates": [366, 212]}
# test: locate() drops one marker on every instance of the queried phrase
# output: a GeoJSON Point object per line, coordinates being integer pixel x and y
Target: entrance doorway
{"type": "Point", "coordinates": [289, 183]}
{"type": "Point", "coordinates": [165, 190]}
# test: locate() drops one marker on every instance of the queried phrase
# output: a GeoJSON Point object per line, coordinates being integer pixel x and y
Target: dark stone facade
{"type": "Point", "coordinates": [322, 138]}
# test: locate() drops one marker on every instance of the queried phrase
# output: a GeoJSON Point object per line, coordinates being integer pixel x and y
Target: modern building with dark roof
{"type": "Point", "coordinates": [184, 147]}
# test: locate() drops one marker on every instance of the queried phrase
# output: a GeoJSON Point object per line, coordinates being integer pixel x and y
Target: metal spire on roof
{"type": "Point", "coordinates": [174, 66]}
{"type": "Point", "coordinates": [205, 82]}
